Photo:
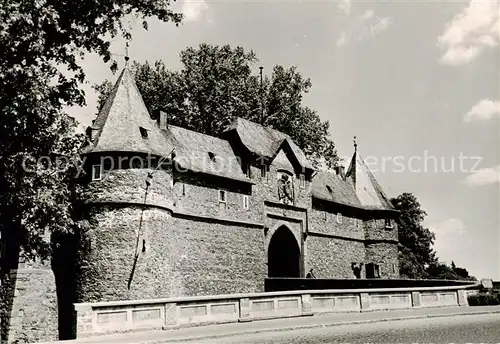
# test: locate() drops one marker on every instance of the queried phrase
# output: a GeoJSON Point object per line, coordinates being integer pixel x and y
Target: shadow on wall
{"type": "Point", "coordinates": [9, 262]}
{"type": "Point", "coordinates": [65, 268]}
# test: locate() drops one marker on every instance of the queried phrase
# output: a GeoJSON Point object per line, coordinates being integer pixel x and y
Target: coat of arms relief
{"type": "Point", "coordinates": [285, 188]}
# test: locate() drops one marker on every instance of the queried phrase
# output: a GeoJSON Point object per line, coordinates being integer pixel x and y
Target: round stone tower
{"type": "Point", "coordinates": [126, 200]}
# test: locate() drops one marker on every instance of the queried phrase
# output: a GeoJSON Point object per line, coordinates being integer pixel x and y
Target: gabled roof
{"type": "Point", "coordinates": [265, 141]}
{"type": "Point", "coordinates": [203, 153]}
{"type": "Point", "coordinates": [368, 190]}
{"type": "Point", "coordinates": [116, 127]}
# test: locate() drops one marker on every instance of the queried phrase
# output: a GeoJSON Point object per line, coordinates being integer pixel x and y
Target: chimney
{"type": "Point", "coordinates": [162, 120]}
{"type": "Point", "coordinates": [340, 171]}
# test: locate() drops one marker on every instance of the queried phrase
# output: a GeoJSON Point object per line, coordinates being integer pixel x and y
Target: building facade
{"type": "Point", "coordinates": [174, 212]}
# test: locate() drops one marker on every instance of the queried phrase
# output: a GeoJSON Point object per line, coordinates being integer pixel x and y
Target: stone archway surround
{"type": "Point", "coordinates": [295, 226]}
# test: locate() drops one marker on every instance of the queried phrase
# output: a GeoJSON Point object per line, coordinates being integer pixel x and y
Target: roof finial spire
{"type": "Point", "coordinates": [261, 97]}
{"type": "Point", "coordinates": [126, 54]}
{"type": "Point", "coordinates": [355, 144]}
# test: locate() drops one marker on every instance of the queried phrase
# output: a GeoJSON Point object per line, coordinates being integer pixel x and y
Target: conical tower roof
{"type": "Point", "coordinates": [124, 123]}
{"type": "Point", "coordinates": [368, 190]}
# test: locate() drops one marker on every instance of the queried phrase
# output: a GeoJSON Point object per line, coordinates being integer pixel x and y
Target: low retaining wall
{"type": "Point", "coordinates": [287, 284]}
{"type": "Point", "coordinates": [123, 316]}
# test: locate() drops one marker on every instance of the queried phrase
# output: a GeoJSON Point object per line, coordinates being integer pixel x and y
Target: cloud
{"type": "Point", "coordinates": [484, 109]}
{"type": "Point", "coordinates": [484, 176]}
{"type": "Point", "coordinates": [342, 40]}
{"type": "Point", "coordinates": [368, 24]}
{"type": "Point", "coordinates": [451, 235]}
{"type": "Point", "coordinates": [194, 10]}
{"type": "Point", "coordinates": [344, 6]}
{"type": "Point", "coordinates": [474, 29]}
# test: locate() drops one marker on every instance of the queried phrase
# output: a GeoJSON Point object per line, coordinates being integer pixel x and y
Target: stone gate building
{"type": "Point", "coordinates": [172, 212]}
{"type": "Point", "coordinates": [176, 212]}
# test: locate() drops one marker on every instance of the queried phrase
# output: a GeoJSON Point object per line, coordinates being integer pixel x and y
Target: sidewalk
{"type": "Point", "coordinates": [214, 331]}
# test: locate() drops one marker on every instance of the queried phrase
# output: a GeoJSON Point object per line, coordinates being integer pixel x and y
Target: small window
{"type": "Point", "coordinates": [96, 172]}
{"type": "Point", "coordinates": [329, 189]}
{"type": "Point", "coordinates": [211, 156]}
{"type": "Point", "coordinates": [245, 202]}
{"type": "Point", "coordinates": [222, 196]}
{"type": "Point", "coordinates": [388, 223]}
{"type": "Point", "coordinates": [325, 215]}
{"type": "Point", "coordinates": [356, 223]}
{"type": "Point", "coordinates": [393, 268]}
{"type": "Point", "coordinates": [247, 170]}
{"type": "Point", "coordinates": [263, 171]}
{"type": "Point", "coordinates": [144, 132]}
{"type": "Point", "coordinates": [339, 218]}
{"type": "Point", "coordinates": [302, 183]}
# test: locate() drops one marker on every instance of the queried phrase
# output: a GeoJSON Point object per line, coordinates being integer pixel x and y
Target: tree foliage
{"type": "Point", "coordinates": [42, 42]}
{"type": "Point", "coordinates": [417, 258]}
{"type": "Point", "coordinates": [217, 84]}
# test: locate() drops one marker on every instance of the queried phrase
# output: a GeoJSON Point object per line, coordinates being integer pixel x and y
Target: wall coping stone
{"type": "Point", "coordinates": [83, 306]}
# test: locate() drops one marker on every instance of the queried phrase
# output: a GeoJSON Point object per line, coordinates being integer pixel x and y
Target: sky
{"type": "Point", "coordinates": [417, 82]}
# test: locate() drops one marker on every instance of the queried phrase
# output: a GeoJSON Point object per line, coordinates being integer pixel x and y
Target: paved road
{"type": "Point", "coordinates": [459, 329]}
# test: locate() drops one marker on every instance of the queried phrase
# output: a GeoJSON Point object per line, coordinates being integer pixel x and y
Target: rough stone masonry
{"type": "Point", "coordinates": [173, 212]}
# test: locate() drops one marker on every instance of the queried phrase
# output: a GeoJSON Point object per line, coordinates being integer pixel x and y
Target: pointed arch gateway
{"type": "Point", "coordinates": [283, 254]}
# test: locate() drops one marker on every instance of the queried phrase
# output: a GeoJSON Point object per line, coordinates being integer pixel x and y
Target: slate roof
{"type": "Point", "coordinates": [116, 127]}
{"type": "Point", "coordinates": [368, 190]}
{"type": "Point", "coordinates": [331, 187]}
{"type": "Point", "coordinates": [265, 141]}
{"type": "Point", "coordinates": [203, 153]}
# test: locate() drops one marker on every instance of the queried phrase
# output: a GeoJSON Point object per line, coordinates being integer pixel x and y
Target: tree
{"type": "Point", "coordinates": [417, 258]}
{"type": "Point", "coordinates": [415, 241]}
{"type": "Point", "coordinates": [40, 73]}
{"type": "Point", "coordinates": [217, 84]}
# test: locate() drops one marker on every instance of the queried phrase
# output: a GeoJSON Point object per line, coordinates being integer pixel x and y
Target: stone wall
{"type": "Point", "coordinates": [28, 304]}
{"type": "Point", "coordinates": [181, 240]}
{"type": "Point", "coordinates": [332, 258]}
{"type": "Point", "coordinates": [176, 256]}
{"type": "Point", "coordinates": [386, 256]}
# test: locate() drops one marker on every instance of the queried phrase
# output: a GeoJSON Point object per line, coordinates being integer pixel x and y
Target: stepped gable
{"type": "Point", "coordinates": [265, 141]}
{"type": "Point", "coordinates": [117, 126]}
{"type": "Point", "coordinates": [205, 154]}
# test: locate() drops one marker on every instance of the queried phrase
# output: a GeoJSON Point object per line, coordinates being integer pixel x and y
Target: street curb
{"type": "Point", "coordinates": [312, 326]}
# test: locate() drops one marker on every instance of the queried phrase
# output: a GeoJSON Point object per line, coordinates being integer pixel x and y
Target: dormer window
{"type": "Point", "coordinates": [263, 171]}
{"type": "Point", "coordinates": [211, 156]}
{"type": "Point", "coordinates": [302, 182]}
{"type": "Point", "coordinates": [388, 223]}
{"type": "Point", "coordinates": [96, 172]}
{"type": "Point", "coordinates": [144, 132]}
